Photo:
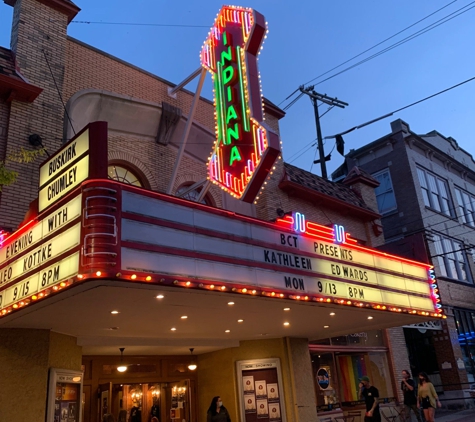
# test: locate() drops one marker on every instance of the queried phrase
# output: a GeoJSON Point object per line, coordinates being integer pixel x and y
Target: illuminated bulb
{"type": "Point", "coordinates": [326, 326]}
{"type": "Point", "coordinates": [173, 329]}
{"type": "Point", "coordinates": [332, 313]}
{"type": "Point", "coordinates": [244, 290]}
{"type": "Point", "coordinates": [80, 276]}
{"type": "Point", "coordinates": [98, 273]}
{"type": "Point", "coordinates": [227, 331]}
{"type": "Point", "coordinates": [63, 284]}
{"type": "Point", "coordinates": [286, 323]}
{"type": "Point", "coordinates": [188, 283]}
{"type": "Point", "coordinates": [240, 320]}
{"type": "Point", "coordinates": [34, 297]}
{"type": "Point", "coordinates": [184, 317]}
{"type": "Point", "coordinates": [133, 276]}
{"type": "Point", "coordinates": [231, 303]}
{"type": "Point", "coordinates": [212, 286]}
{"type": "Point", "coordinates": [114, 312]}
{"type": "Point", "coordinates": [122, 368]}
{"type": "Point", "coordinates": [160, 296]}
{"type": "Point", "coordinates": [370, 317]}
{"type": "Point", "coordinates": [148, 278]}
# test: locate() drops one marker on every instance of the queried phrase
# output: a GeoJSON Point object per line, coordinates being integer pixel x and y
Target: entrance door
{"type": "Point", "coordinates": [104, 399]}
{"type": "Point", "coordinates": [178, 404]}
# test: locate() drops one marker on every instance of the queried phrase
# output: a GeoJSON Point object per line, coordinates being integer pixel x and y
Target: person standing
{"type": "Point", "coordinates": [408, 388]}
{"type": "Point", "coordinates": [217, 412]}
{"type": "Point", "coordinates": [370, 395]}
{"type": "Point", "coordinates": [427, 397]}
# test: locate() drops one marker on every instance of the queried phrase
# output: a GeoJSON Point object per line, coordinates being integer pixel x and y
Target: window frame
{"type": "Point", "coordinates": [455, 259]}
{"type": "Point", "coordinates": [432, 192]}
{"type": "Point", "coordinates": [375, 175]}
{"type": "Point", "coordinates": [466, 206]}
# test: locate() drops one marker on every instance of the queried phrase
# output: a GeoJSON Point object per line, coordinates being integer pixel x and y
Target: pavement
{"type": "Point", "coordinates": [460, 416]}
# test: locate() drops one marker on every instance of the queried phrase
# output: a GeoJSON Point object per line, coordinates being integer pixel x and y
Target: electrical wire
{"type": "Point", "coordinates": [392, 36]}
{"type": "Point", "coordinates": [399, 43]}
{"type": "Point", "coordinates": [170, 25]}
{"type": "Point", "coordinates": [402, 108]}
{"type": "Point", "coordinates": [403, 41]}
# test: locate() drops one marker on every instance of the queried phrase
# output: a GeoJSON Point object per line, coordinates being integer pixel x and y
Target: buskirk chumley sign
{"type": "Point", "coordinates": [245, 150]}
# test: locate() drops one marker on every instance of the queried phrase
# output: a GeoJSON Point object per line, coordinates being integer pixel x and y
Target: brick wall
{"type": "Point", "coordinates": [4, 116]}
{"type": "Point", "coordinates": [40, 30]}
{"type": "Point", "coordinates": [398, 357]}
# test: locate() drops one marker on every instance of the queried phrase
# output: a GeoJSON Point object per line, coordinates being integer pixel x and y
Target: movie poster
{"type": "Point", "coordinates": [272, 392]}
{"type": "Point", "coordinates": [248, 384]}
{"type": "Point", "coordinates": [261, 389]}
{"type": "Point", "coordinates": [250, 403]}
{"type": "Point", "coordinates": [262, 409]}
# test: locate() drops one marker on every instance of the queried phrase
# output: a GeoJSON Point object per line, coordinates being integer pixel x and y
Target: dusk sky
{"type": "Point", "coordinates": [306, 39]}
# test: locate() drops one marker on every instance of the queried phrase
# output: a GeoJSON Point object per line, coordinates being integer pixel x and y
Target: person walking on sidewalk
{"type": "Point", "coordinates": [408, 388]}
{"type": "Point", "coordinates": [427, 397]}
{"type": "Point", "coordinates": [370, 395]}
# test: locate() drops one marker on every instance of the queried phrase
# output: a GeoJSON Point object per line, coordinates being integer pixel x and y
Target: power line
{"type": "Point", "coordinates": [401, 42]}
{"type": "Point", "coordinates": [402, 108]}
{"type": "Point", "coordinates": [392, 46]}
{"type": "Point", "coordinates": [381, 42]}
{"type": "Point", "coordinates": [170, 25]}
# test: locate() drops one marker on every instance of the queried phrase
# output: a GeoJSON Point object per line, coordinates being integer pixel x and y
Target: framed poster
{"type": "Point", "coordinates": [64, 396]}
{"type": "Point", "coordinates": [260, 390]}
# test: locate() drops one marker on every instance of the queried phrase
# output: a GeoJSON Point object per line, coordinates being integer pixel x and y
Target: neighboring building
{"type": "Point", "coordinates": [298, 306]}
{"type": "Point", "coordinates": [427, 200]}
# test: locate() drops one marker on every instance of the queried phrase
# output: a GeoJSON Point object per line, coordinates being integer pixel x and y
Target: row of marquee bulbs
{"type": "Point", "coordinates": [122, 367]}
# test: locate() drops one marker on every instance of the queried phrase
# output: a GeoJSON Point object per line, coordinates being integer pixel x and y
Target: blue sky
{"type": "Point", "coordinates": [307, 38]}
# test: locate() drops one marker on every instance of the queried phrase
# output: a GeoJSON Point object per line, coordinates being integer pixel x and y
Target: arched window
{"type": "Point", "coordinates": [124, 175]}
{"type": "Point", "coordinates": [194, 194]}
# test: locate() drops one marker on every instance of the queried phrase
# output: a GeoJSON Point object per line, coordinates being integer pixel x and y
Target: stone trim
{"type": "Point", "coordinates": [134, 162]}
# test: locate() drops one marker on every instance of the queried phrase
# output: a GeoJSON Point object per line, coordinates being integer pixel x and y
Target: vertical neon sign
{"type": "Point", "coordinates": [245, 150]}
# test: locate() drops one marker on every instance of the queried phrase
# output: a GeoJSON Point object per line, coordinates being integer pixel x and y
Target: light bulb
{"type": "Point", "coordinates": [122, 368]}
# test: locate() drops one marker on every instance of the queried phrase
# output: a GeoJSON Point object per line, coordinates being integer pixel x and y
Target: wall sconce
{"type": "Point", "coordinates": [122, 367]}
{"type": "Point", "coordinates": [192, 366]}
{"type": "Point", "coordinates": [136, 395]}
{"type": "Point", "coordinates": [155, 389]}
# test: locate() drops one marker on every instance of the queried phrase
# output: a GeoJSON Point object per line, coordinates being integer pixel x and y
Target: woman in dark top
{"type": "Point", "coordinates": [217, 412]}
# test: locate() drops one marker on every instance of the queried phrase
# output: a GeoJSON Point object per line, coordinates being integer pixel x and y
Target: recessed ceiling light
{"type": "Point", "coordinates": [173, 329]}
{"type": "Point", "coordinates": [286, 309]}
{"type": "Point", "coordinates": [332, 313]}
{"type": "Point", "coordinates": [286, 323]}
{"type": "Point", "coordinates": [370, 317]}
{"type": "Point", "coordinates": [326, 326]}
{"type": "Point", "coordinates": [230, 303]}
{"type": "Point", "coordinates": [114, 312]}
{"type": "Point", "coordinates": [227, 331]}
{"type": "Point", "coordinates": [240, 320]}
{"type": "Point", "coordinates": [160, 296]}
{"type": "Point", "coordinates": [184, 317]}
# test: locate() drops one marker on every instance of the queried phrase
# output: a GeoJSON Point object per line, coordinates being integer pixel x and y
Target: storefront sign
{"type": "Point", "coordinates": [240, 252]}
{"type": "Point", "coordinates": [323, 378]}
{"type": "Point", "coordinates": [31, 235]}
{"type": "Point", "coordinates": [84, 156]}
{"type": "Point", "coordinates": [245, 150]}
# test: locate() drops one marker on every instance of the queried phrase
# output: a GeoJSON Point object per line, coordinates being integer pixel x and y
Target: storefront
{"type": "Point", "coordinates": [465, 322]}
{"type": "Point", "coordinates": [338, 364]}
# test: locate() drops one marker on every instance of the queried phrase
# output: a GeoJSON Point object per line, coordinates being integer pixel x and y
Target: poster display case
{"type": "Point", "coordinates": [260, 390]}
{"type": "Point", "coordinates": [64, 396]}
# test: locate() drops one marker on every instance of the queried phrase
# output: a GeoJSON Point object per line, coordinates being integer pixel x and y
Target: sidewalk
{"type": "Point", "coordinates": [461, 416]}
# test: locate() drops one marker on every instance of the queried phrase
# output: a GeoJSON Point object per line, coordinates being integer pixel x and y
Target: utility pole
{"type": "Point", "coordinates": [334, 102]}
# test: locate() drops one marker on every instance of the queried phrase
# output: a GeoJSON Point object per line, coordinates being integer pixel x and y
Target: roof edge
{"type": "Point", "coordinates": [66, 7]}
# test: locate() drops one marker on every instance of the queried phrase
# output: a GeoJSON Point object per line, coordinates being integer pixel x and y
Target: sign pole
{"type": "Point", "coordinates": [186, 132]}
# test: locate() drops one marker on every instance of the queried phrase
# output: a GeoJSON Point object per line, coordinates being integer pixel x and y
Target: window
{"type": "Point", "coordinates": [124, 175]}
{"type": "Point", "coordinates": [434, 191]}
{"type": "Point", "coordinates": [385, 192]}
{"type": "Point", "coordinates": [192, 195]}
{"type": "Point", "coordinates": [452, 259]}
{"type": "Point", "coordinates": [465, 203]}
